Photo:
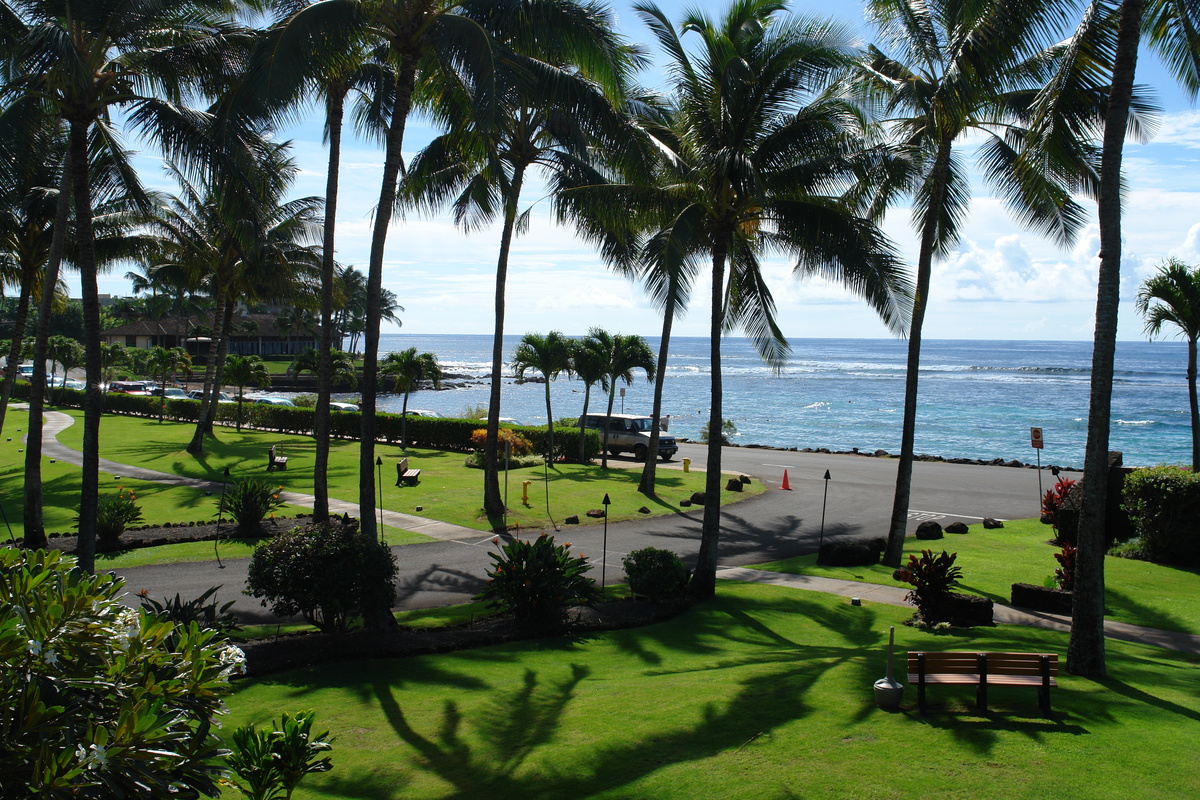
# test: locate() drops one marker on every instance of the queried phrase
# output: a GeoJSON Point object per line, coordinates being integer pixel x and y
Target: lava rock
{"type": "Point", "coordinates": [929, 530]}
{"type": "Point", "coordinates": [572, 520]}
{"type": "Point", "coordinates": [990, 524]}
{"type": "Point", "coordinates": [957, 527]}
{"type": "Point", "coordinates": [596, 513]}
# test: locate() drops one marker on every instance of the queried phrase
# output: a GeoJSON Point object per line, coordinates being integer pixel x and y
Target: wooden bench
{"type": "Point", "coordinates": [982, 670]}
{"type": "Point", "coordinates": [405, 475]}
{"type": "Point", "coordinates": [274, 461]}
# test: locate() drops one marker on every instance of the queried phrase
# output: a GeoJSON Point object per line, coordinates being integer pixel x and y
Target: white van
{"type": "Point", "coordinates": [630, 433]}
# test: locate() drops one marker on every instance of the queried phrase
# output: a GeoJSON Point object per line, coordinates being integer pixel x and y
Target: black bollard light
{"type": "Point", "coordinates": [604, 554]}
{"type": "Point", "coordinates": [220, 511]}
{"type": "Point", "coordinates": [379, 500]}
{"type": "Point", "coordinates": [824, 500]}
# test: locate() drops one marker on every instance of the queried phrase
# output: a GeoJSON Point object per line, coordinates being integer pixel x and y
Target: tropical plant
{"type": "Point", "coordinates": [931, 578]}
{"type": "Point", "coordinates": [510, 441]}
{"type": "Point", "coordinates": [248, 501]}
{"type": "Point", "coordinates": [1064, 573]}
{"type": "Point", "coordinates": [341, 366]}
{"type": "Point", "coordinates": [551, 356]}
{"type": "Point", "coordinates": [64, 352]}
{"type": "Point", "coordinates": [113, 355]}
{"type": "Point", "coordinates": [1163, 504]}
{"type": "Point", "coordinates": [269, 764]}
{"type": "Point", "coordinates": [655, 573]}
{"type": "Point", "coordinates": [1172, 297]}
{"type": "Point", "coordinates": [198, 611]}
{"type": "Point", "coordinates": [756, 159]}
{"type": "Point", "coordinates": [1053, 500]}
{"type": "Point", "coordinates": [728, 428]}
{"type": "Point", "coordinates": [115, 514]}
{"type": "Point", "coordinates": [241, 371]}
{"type": "Point", "coordinates": [99, 699]}
{"type": "Point", "coordinates": [623, 354]}
{"type": "Point", "coordinates": [165, 362]}
{"type": "Point", "coordinates": [534, 580]}
{"type": "Point", "coordinates": [587, 364]}
{"type": "Point", "coordinates": [328, 573]}
{"type": "Point", "coordinates": [408, 369]}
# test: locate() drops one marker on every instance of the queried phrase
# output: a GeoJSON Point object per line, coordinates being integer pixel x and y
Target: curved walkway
{"type": "Point", "coordinates": [56, 421]}
{"type": "Point", "coordinates": [868, 592]}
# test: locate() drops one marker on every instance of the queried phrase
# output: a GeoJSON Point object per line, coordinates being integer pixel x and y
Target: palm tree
{"type": "Point", "coordinates": [83, 59]}
{"type": "Point", "coordinates": [555, 91]}
{"type": "Point", "coordinates": [64, 351]}
{"type": "Point", "coordinates": [623, 354]}
{"type": "Point", "coordinates": [342, 364]}
{"type": "Point", "coordinates": [165, 362]}
{"type": "Point", "coordinates": [549, 355]}
{"type": "Point", "coordinates": [587, 364]}
{"type": "Point", "coordinates": [964, 70]}
{"type": "Point", "coordinates": [1172, 297]}
{"type": "Point", "coordinates": [112, 355]}
{"type": "Point", "coordinates": [408, 369]}
{"type": "Point", "coordinates": [241, 371]}
{"type": "Point", "coordinates": [753, 154]}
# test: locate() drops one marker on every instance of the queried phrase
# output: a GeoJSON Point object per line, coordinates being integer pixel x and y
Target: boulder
{"type": "Point", "coordinates": [957, 527]}
{"type": "Point", "coordinates": [734, 485]}
{"type": "Point", "coordinates": [991, 524]}
{"type": "Point", "coordinates": [744, 478]}
{"type": "Point", "coordinates": [685, 503]}
{"type": "Point", "coordinates": [881, 453]}
{"type": "Point", "coordinates": [929, 530]}
{"type": "Point", "coordinates": [572, 520]}
{"type": "Point", "coordinates": [596, 513]}
{"type": "Point", "coordinates": [643, 510]}
{"type": "Point", "coordinates": [697, 498]}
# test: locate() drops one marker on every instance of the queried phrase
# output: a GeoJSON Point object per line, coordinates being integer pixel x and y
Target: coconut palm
{"type": "Point", "coordinates": [960, 70]}
{"type": "Point", "coordinates": [551, 356]}
{"type": "Point", "coordinates": [587, 364]}
{"type": "Point", "coordinates": [408, 369]}
{"type": "Point", "coordinates": [756, 161]}
{"type": "Point", "coordinates": [623, 354]}
{"type": "Point", "coordinates": [242, 371]}
{"type": "Point", "coordinates": [112, 356]}
{"type": "Point", "coordinates": [65, 352]}
{"type": "Point", "coordinates": [164, 363]}
{"type": "Point", "coordinates": [1171, 297]}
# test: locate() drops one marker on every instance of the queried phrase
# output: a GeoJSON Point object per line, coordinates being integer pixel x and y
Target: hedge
{"type": "Point", "coordinates": [1164, 505]}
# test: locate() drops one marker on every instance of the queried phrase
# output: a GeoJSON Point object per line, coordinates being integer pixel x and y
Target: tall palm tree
{"type": "Point", "coordinates": [83, 59]}
{"type": "Point", "coordinates": [754, 159]}
{"type": "Point", "coordinates": [1172, 297]}
{"type": "Point", "coordinates": [407, 369]}
{"type": "Point", "coordinates": [624, 353]}
{"type": "Point", "coordinates": [551, 356]}
{"type": "Point", "coordinates": [342, 364]}
{"type": "Point", "coordinates": [242, 371]}
{"type": "Point", "coordinates": [587, 364]}
{"type": "Point", "coordinates": [1092, 91]}
{"type": "Point", "coordinates": [963, 69]}
{"type": "Point", "coordinates": [555, 91]}
{"type": "Point", "coordinates": [166, 362]}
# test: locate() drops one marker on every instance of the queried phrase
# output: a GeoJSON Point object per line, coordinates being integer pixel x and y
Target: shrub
{"type": "Point", "coordinates": [1164, 505]}
{"type": "Point", "coordinates": [269, 764]}
{"type": "Point", "coordinates": [100, 700]}
{"type": "Point", "coordinates": [199, 610]}
{"type": "Point", "coordinates": [1053, 502]}
{"type": "Point", "coordinates": [249, 500]}
{"type": "Point", "coordinates": [114, 514]}
{"type": "Point", "coordinates": [851, 552]}
{"type": "Point", "coordinates": [931, 578]}
{"type": "Point", "coordinates": [1064, 575]}
{"type": "Point", "coordinates": [328, 574]}
{"type": "Point", "coordinates": [534, 580]}
{"type": "Point", "coordinates": [728, 428]}
{"type": "Point", "coordinates": [655, 574]}
{"type": "Point", "coordinates": [519, 444]}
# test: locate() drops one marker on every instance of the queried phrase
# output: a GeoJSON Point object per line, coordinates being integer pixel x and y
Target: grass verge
{"type": "Point", "coordinates": [1136, 592]}
{"type": "Point", "coordinates": [763, 694]}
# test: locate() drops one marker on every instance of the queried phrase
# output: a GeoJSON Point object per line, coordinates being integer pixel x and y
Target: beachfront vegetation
{"type": "Point", "coordinates": [549, 355]}
{"type": "Point", "coordinates": [408, 370]}
{"type": "Point", "coordinates": [1163, 504]}
{"type": "Point", "coordinates": [762, 692]}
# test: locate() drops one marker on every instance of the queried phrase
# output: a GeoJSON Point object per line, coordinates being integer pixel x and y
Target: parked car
{"type": "Point", "coordinates": [198, 394]}
{"type": "Point", "coordinates": [171, 393]}
{"type": "Point", "coordinates": [417, 412]}
{"type": "Point", "coordinates": [275, 401]}
{"type": "Point", "coordinates": [335, 405]}
{"type": "Point", "coordinates": [630, 433]}
{"type": "Point", "coordinates": [129, 387]}
{"type": "Point", "coordinates": [25, 371]}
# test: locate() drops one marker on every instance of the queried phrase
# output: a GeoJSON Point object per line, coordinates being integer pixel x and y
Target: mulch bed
{"type": "Point", "coordinates": [174, 534]}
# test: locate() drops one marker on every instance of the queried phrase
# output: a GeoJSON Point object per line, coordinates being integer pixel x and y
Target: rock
{"type": "Point", "coordinates": [698, 498]}
{"type": "Point", "coordinates": [643, 510]}
{"type": "Point", "coordinates": [744, 478]}
{"type": "Point", "coordinates": [929, 530]}
{"type": "Point", "coordinates": [991, 524]}
{"type": "Point", "coordinates": [572, 520]}
{"type": "Point", "coordinates": [881, 453]}
{"type": "Point", "coordinates": [596, 513]}
{"type": "Point", "coordinates": [685, 503]}
{"type": "Point", "coordinates": [734, 485]}
{"type": "Point", "coordinates": [957, 527]}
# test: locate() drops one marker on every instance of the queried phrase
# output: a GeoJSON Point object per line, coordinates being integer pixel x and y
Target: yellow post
{"type": "Point", "coordinates": [687, 465]}
{"type": "Point", "coordinates": [525, 492]}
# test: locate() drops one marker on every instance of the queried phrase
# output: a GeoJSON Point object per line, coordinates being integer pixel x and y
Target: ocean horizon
{"type": "Point", "coordinates": [978, 398]}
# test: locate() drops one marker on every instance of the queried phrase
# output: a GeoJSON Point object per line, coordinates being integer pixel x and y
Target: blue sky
{"type": "Point", "coordinates": [1002, 283]}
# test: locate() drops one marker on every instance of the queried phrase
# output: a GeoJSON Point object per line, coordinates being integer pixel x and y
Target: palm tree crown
{"type": "Point", "coordinates": [549, 355]}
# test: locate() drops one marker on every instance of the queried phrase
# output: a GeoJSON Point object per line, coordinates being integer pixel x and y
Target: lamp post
{"type": "Point", "coordinates": [220, 511]}
{"type": "Point", "coordinates": [379, 500]}
{"type": "Point", "coordinates": [604, 547]}
{"type": "Point", "coordinates": [824, 499]}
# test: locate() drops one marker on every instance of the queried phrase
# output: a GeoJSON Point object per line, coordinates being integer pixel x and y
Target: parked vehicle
{"type": "Point", "coordinates": [274, 401]}
{"type": "Point", "coordinates": [630, 433]}
{"type": "Point", "coordinates": [129, 387]}
{"type": "Point", "coordinates": [417, 412]}
{"type": "Point", "coordinates": [171, 393]}
{"type": "Point", "coordinates": [335, 405]}
{"type": "Point", "coordinates": [197, 394]}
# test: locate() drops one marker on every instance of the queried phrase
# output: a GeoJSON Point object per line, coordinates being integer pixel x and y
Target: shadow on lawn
{"type": "Point", "coordinates": [1144, 614]}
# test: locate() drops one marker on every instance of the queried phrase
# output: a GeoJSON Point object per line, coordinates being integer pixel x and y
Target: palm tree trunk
{"type": "Point", "coordinates": [1195, 407]}
{"type": "Point", "coordinates": [321, 422]}
{"type": "Point", "coordinates": [904, 469]}
{"type": "Point", "coordinates": [493, 503]}
{"type": "Point", "coordinates": [35, 528]}
{"type": "Point", "coordinates": [549, 421]}
{"type": "Point", "coordinates": [406, 80]}
{"type": "Point", "coordinates": [704, 580]}
{"type": "Point", "coordinates": [587, 394]}
{"type": "Point", "coordinates": [210, 387]}
{"type": "Point", "coordinates": [1085, 650]}
{"type": "Point", "coordinates": [89, 492]}
{"type": "Point", "coordinates": [28, 276]}
{"type": "Point", "coordinates": [649, 470]}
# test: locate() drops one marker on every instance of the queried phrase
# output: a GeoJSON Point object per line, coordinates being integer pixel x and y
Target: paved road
{"type": "Point", "coordinates": [775, 525]}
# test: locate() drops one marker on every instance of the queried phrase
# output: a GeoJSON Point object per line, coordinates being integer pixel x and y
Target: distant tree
{"type": "Point", "coordinates": [587, 364]}
{"type": "Point", "coordinates": [165, 362]}
{"type": "Point", "coordinates": [408, 369]}
{"type": "Point", "coordinates": [341, 362]}
{"type": "Point", "coordinates": [1172, 297]}
{"type": "Point", "coordinates": [623, 354]}
{"type": "Point", "coordinates": [112, 355]}
{"type": "Point", "coordinates": [65, 352]}
{"type": "Point", "coordinates": [549, 355]}
{"type": "Point", "coordinates": [241, 371]}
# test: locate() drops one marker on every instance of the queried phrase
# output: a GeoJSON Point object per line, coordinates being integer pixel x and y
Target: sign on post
{"type": "Point", "coordinates": [1035, 438]}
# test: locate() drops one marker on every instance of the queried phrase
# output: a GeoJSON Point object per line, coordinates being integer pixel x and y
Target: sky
{"type": "Point", "coordinates": [1002, 282]}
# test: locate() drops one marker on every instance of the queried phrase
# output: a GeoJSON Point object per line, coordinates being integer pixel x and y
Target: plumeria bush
{"type": "Point", "coordinates": [534, 580]}
{"type": "Point", "coordinates": [98, 700]}
{"type": "Point", "coordinates": [249, 501]}
{"type": "Point", "coordinates": [931, 578]}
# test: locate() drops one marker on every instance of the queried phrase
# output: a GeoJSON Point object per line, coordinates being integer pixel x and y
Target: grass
{"type": "Point", "coordinates": [1137, 592]}
{"type": "Point", "coordinates": [763, 693]}
{"type": "Point", "coordinates": [445, 492]}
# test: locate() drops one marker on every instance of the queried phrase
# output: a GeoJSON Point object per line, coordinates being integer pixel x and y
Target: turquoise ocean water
{"type": "Point", "coordinates": [978, 398]}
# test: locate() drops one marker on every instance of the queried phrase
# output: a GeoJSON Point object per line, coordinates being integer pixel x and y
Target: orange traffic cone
{"type": "Point", "coordinates": [785, 482]}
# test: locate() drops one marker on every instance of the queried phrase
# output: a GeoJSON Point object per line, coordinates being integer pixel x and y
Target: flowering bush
{"type": "Point", "coordinates": [114, 514]}
{"type": "Point", "coordinates": [519, 444]}
{"type": "Point", "coordinates": [931, 578]}
{"type": "Point", "coordinates": [534, 580]}
{"type": "Point", "coordinates": [249, 501]}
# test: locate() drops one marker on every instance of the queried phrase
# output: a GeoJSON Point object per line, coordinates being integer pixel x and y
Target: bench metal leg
{"type": "Point", "coordinates": [981, 703]}
{"type": "Point", "coordinates": [921, 682]}
{"type": "Point", "coordinates": [1044, 689]}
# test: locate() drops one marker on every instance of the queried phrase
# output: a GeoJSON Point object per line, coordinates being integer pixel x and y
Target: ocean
{"type": "Point", "coordinates": [978, 398]}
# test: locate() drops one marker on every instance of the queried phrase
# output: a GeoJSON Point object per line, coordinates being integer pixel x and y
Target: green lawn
{"type": "Point", "coordinates": [763, 694]}
{"type": "Point", "coordinates": [1137, 592]}
{"type": "Point", "coordinates": [448, 490]}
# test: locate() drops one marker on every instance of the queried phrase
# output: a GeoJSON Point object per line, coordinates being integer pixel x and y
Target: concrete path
{"type": "Point", "coordinates": [1002, 614]}
{"type": "Point", "coordinates": [56, 422]}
